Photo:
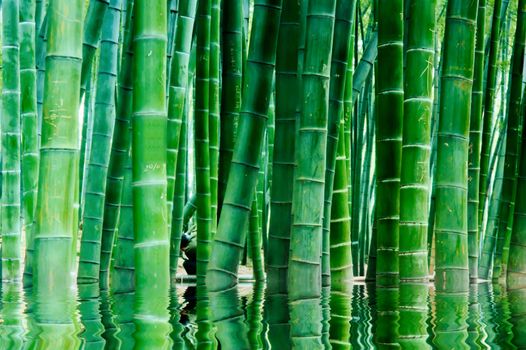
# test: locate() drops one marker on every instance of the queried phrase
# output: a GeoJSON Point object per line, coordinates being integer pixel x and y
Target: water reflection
{"type": "Point", "coordinates": [412, 316]}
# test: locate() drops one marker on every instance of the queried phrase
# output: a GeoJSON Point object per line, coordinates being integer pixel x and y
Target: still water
{"type": "Point", "coordinates": [411, 317]}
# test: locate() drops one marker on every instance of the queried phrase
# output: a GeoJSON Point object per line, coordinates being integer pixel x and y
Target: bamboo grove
{"type": "Point", "coordinates": [311, 143]}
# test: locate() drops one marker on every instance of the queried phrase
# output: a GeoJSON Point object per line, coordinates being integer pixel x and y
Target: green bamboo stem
{"type": "Point", "coordinates": [101, 144]}
{"type": "Point", "coordinates": [491, 228]}
{"type": "Point", "coordinates": [28, 113]}
{"type": "Point", "coordinates": [173, 11]}
{"type": "Point", "coordinates": [230, 89]}
{"type": "Point", "coordinates": [475, 139]}
{"type": "Point", "coordinates": [152, 241]}
{"type": "Point", "coordinates": [305, 265]}
{"type": "Point", "coordinates": [229, 241]}
{"type": "Point", "coordinates": [11, 142]}
{"type": "Point", "coordinates": [489, 105]}
{"type": "Point", "coordinates": [214, 111]}
{"type": "Point", "coordinates": [120, 150]}
{"type": "Point", "coordinates": [340, 54]}
{"type": "Point", "coordinates": [452, 272]}
{"type": "Point", "coordinates": [92, 31]}
{"type": "Point", "coordinates": [513, 147]}
{"type": "Point", "coordinates": [390, 98]}
{"type": "Point", "coordinates": [516, 274]}
{"type": "Point", "coordinates": [341, 273]}
{"type": "Point", "coordinates": [179, 194]}
{"type": "Point", "coordinates": [177, 91]}
{"type": "Point", "coordinates": [286, 102]}
{"type": "Point", "coordinates": [201, 138]}
{"type": "Point", "coordinates": [364, 68]}
{"type": "Point", "coordinates": [41, 44]}
{"type": "Point", "coordinates": [59, 163]}
{"type": "Point", "coordinates": [490, 237]}
{"type": "Point", "coordinates": [123, 269]}
{"type": "Point", "coordinates": [416, 144]}
{"type": "Point", "coordinates": [255, 243]}
{"type": "Point", "coordinates": [40, 13]}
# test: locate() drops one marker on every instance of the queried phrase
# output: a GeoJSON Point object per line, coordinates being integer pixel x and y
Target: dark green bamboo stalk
{"type": "Point", "coordinates": [152, 241]}
{"type": "Point", "coordinates": [452, 273]}
{"type": "Point", "coordinates": [255, 243]}
{"type": "Point", "coordinates": [340, 54]}
{"type": "Point", "coordinates": [341, 273]}
{"type": "Point", "coordinates": [201, 139]}
{"type": "Point", "coordinates": [229, 242]}
{"type": "Point", "coordinates": [120, 151]}
{"type": "Point", "coordinates": [101, 144]}
{"type": "Point", "coordinates": [475, 139]}
{"type": "Point", "coordinates": [489, 106]}
{"type": "Point", "coordinates": [178, 91]}
{"type": "Point", "coordinates": [516, 274]}
{"type": "Point", "coordinates": [513, 147]}
{"type": "Point", "coordinates": [232, 52]}
{"type": "Point", "coordinates": [59, 163]}
{"type": "Point", "coordinates": [305, 265]}
{"type": "Point", "coordinates": [416, 145]}
{"type": "Point", "coordinates": [390, 98]}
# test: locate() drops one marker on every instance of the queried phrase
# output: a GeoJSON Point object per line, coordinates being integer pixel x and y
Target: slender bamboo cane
{"type": "Point", "coordinates": [92, 32]}
{"type": "Point", "coordinates": [202, 134]}
{"type": "Point", "coordinates": [230, 89]}
{"type": "Point", "coordinates": [173, 11]}
{"type": "Point", "coordinates": [305, 265]}
{"type": "Point", "coordinates": [475, 139]}
{"type": "Point", "coordinates": [255, 241]}
{"type": "Point", "coordinates": [28, 113]}
{"type": "Point", "coordinates": [152, 241]}
{"type": "Point", "coordinates": [340, 54]}
{"type": "Point", "coordinates": [516, 274]}
{"type": "Point", "coordinates": [40, 13]}
{"type": "Point", "coordinates": [513, 147]}
{"type": "Point", "coordinates": [123, 269]}
{"type": "Point", "coordinates": [178, 203]}
{"type": "Point", "coordinates": [489, 105]}
{"type": "Point", "coordinates": [59, 164]}
{"type": "Point", "coordinates": [120, 150]}
{"type": "Point", "coordinates": [101, 141]}
{"type": "Point", "coordinates": [178, 90]}
{"type": "Point", "coordinates": [283, 163]}
{"type": "Point", "coordinates": [497, 171]}
{"type": "Point", "coordinates": [452, 273]}
{"type": "Point", "coordinates": [390, 98]}
{"type": "Point", "coordinates": [341, 273]}
{"type": "Point", "coordinates": [229, 242]}
{"type": "Point", "coordinates": [11, 141]}
{"type": "Point", "coordinates": [416, 144]}
{"type": "Point", "coordinates": [214, 112]}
